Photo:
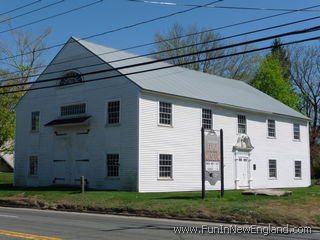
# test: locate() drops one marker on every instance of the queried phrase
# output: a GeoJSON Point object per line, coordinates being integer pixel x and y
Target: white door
{"type": "Point", "coordinates": [243, 172]}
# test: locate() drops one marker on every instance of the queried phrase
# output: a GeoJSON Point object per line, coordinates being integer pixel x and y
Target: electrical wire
{"type": "Point", "coordinates": [50, 17]}
{"type": "Point", "coordinates": [224, 7]}
{"type": "Point", "coordinates": [18, 8]}
{"type": "Point", "coordinates": [169, 66]}
{"type": "Point", "coordinates": [143, 45]}
{"type": "Point", "coordinates": [105, 53]}
{"type": "Point", "coordinates": [313, 29]}
{"type": "Point", "coordinates": [32, 11]}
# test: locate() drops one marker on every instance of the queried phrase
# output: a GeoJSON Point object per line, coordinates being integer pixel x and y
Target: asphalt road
{"type": "Point", "coordinates": [18, 223]}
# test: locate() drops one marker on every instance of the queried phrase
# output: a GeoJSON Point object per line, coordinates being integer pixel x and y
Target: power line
{"type": "Point", "coordinates": [110, 31]}
{"type": "Point", "coordinates": [50, 17]}
{"type": "Point", "coordinates": [148, 44]}
{"type": "Point", "coordinates": [313, 29]}
{"type": "Point", "coordinates": [18, 8]}
{"type": "Point", "coordinates": [142, 45]}
{"type": "Point", "coordinates": [169, 66]}
{"type": "Point", "coordinates": [223, 7]}
{"type": "Point", "coordinates": [32, 11]}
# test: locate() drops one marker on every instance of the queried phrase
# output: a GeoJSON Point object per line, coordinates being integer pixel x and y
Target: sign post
{"type": "Point", "coordinates": [203, 164]}
{"type": "Point", "coordinates": [221, 164]}
{"type": "Point", "coordinates": [212, 159]}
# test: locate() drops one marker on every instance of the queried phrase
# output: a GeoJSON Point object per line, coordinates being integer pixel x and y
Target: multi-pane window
{"type": "Point", "coordinates": [113, 165]}
{"type": "Point", "coordinates": [242, 124]}
{"type": "Point", "coordinates": [271, 128]}
{"type": "Point", "coordinates": [272, 168]}
{"type": "Point", "coordinates": [206, 118]}
{"type": "Point", "coordinates": [165, 166]}
{"type": "Point", "coordinates": [35, 121]}
{"type": "Point", "coordinates": [296, 131]}
{"type": "Point", "coordinates": [297, 169]}
{"type": "Point", "coordinates": [74, 109]}
{"type": "Point", "coordinates": [71, 78]}
{"type": "Point", "coordinates": [165, 113]}
{"type": "Point", "coordinates": [33, 165]}
{"type": "Point", "coordinates": [113, 112]}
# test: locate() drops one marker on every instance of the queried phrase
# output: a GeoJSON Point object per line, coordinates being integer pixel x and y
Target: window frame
{"type": "Point", "coordinates": [33, 172]}
{"type": "Point", "coordinates": [75, 114]}
{"type": "Point", "coordinates": [115, 166]}
{"type": "Point", "coordinates": [70, 84]}
{"type": "Point", "coordinates": [107, 112]}
{"type": "Point", "coordinates": [202, 118]}
{"type": "Point", "coordinates": [171, 114]}
{"type": "Point", "coordinates": [296, 139]}
{"type": "Point", "coordinates": [295, 169]}
{"type": "Point", "coordinates": [31, 125]}
{"type": "Point", "coordinates": [275, 168]}
{"type": "Point", "coordinates": [171, 170]}
{"type": "Point", "coordinates": [268, 128]}
{"type": "Point", "coordinates": [246, 124]}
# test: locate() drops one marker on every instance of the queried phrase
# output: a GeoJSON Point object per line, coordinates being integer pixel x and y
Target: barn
{"type": "Point", "coordinates": [126, 125]}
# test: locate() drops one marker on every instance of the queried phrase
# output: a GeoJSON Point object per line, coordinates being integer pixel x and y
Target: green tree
{"type": "Point", "coordinates": [21, 58]}
{"type": "Point", "coordinates": [270, 79]}
{"type": "Point", "coordinates": [282, 54]}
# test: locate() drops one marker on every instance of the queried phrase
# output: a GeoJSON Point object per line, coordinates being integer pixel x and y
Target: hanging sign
{"type": "Point", "coordinates": [212, 157]}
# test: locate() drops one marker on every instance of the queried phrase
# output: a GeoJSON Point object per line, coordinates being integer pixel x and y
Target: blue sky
{"type": "Point", "coordinates": [111, 14]}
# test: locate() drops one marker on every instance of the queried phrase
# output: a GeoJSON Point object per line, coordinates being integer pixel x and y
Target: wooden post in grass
{"type": "Point", "coordinates": [203, 166]}
{"type": "Point", "coordinates": [82, 184]}
{"type": "Point", "coordinates": [221, 164]}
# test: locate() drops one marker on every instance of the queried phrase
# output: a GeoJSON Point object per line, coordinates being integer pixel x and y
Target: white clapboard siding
{"type": "Point", "coordinates": [182, 140]}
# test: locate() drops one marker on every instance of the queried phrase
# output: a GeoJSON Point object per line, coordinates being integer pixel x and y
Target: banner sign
{"type": "Point", "coordinates": [212, 157]}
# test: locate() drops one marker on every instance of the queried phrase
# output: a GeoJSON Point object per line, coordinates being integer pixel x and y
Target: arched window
{"type": "Point", "coordinates": [70, 78]}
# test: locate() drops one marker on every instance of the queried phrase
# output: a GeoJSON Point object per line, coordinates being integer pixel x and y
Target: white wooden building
{"type": "Point", "coordinates": [142, 132]}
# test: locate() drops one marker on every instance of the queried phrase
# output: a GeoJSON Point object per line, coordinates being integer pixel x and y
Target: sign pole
{"type": "Point", "coordinates": [203, 165]}
{"type": "Point", "coordinates": [221, 163]}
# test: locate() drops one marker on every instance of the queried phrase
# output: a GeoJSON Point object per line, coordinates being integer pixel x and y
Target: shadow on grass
{"type": "Point", "coordinates": [10, 187]}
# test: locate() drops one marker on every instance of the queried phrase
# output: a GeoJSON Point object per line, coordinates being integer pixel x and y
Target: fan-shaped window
{"type": "Point", "coordinates": [70, 78]}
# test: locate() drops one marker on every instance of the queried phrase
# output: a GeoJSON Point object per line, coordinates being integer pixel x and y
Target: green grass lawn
{"type": "Point", "coordinates": [301, 208]}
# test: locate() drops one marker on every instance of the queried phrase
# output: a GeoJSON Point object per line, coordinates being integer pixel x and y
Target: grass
{"type": "Point", "coordinates": [301, 208]}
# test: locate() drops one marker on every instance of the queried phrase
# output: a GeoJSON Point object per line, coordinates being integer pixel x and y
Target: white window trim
{"type": "Point", "coordinates": [294, 170]}
{"type": "Point", "coordinates": [107, 124]}
{"type": "Point", "coordinates": [275, 127]}
{"type": "Point", "coordinates": [158, 167]}
{"type": "Point", "coordinates": [36, 175]}
{"type": "Point", "coordinates": [268, 167]}
{"type": "Point", "coordinates": [158, 114]}
{"type": "Point", "coordinates": [106, 167]}
{"type": "Point", "coordinates": [30, 125]}
{"type": "Point", "coordinates": [212, 117]}
{"type": "Point", "coordinates": [70, 85]}
{"type": "Point", "coordinates": [237, 126]}
{"type": "Point", "coordinates": [293, 139]}
{"type": "Point", "coordinates": [72, 103]}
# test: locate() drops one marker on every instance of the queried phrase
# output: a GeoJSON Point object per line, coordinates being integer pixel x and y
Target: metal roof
{"type": "Point", "coordinates": [188, 83]}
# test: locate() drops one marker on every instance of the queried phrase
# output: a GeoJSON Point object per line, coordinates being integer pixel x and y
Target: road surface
{"type": "Point", "coordinates": [19, 223]}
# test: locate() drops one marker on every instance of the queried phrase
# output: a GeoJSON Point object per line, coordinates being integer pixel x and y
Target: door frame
{"type": "Point", "coordinates": [237, 156]}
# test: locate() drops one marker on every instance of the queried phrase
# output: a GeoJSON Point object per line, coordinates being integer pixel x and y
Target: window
{"type": "Point", "coordinates": [165, 166]}
{"type": "Point", "coordinates": [73, 109]}
{"type": "Point", "coordinates": [296, 131]}
{"type": "Point", "coordinates": [271, 128]}
{"type": "Point", "coordinates": [35, 121]}
{"type": "Point", "coordinates": [206, 118]}
{"type": "Point", "coordinates": [272, 168]}
{"type": "Point", "coordinates": [113, 112]}
{"type": "Point", "coordinates": [242, 124]}
{"type": "Point", "coordinates": [33, 166]}
{"type": "Point", "coordinates": [165, 113]}
{"type": "Point", "coordinates": [71, 78]}
{"type": "Point", "coordinates": [113, 165]}
{"type": "Point", "coordinates": [297, 169]}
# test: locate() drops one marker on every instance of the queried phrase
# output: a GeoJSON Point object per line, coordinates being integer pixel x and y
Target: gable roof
{"type": "Point", "coordinates": [191, 84]}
